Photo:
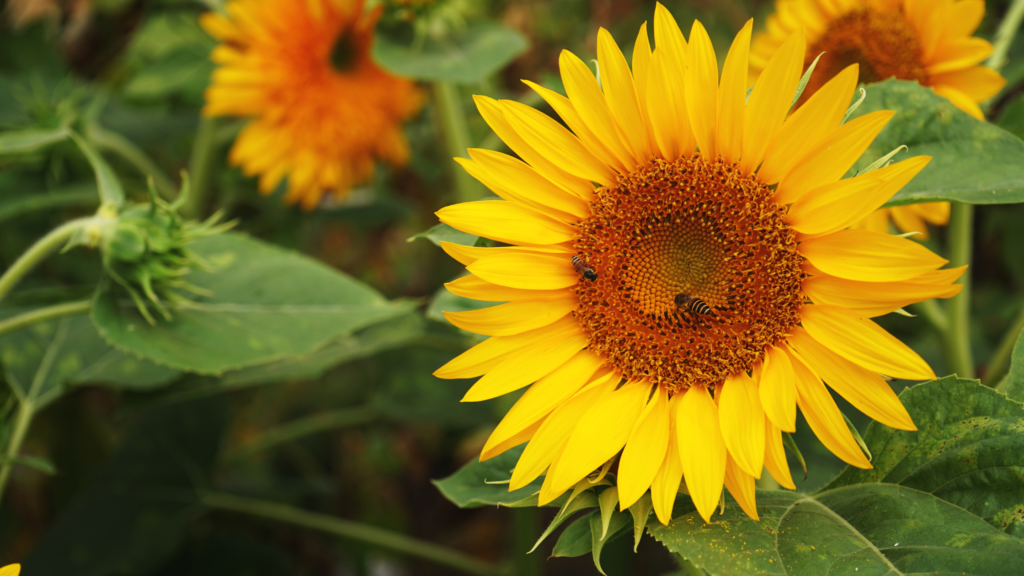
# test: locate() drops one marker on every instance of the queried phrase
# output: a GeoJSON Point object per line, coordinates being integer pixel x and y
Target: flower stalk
{"type": "Point", "coordinates": [44, 314]}
{"type": "Point", "coordinates": [200, 167]}
{"type": "Point", "coordinates": [456, 137]}
{"type": "Point", "coordinates": [1005, 34]}
{"type": "Point", "coordinates": [958, 337]}
{"type": "Point", "coordinates": [38, 252]}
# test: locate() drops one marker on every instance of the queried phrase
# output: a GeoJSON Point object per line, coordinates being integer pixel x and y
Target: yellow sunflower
{"type": "Point", "coordinates": [716, 286]}
{"type": "Point", "coordinates": [925, 40]}
{"type": "Point", "coordinates": [322, 110]}
{"type": "Point", "coordinates": [909, 218]}
{"type": "Point", "coordinates": [10, 570]}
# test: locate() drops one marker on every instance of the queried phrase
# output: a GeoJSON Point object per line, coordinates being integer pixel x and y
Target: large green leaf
{"type": "Point", "coordinates": [968, 450]}
{"type": "Point", "coordinates": [267, 304]}
{"type": "Point", "coordinates": [1014, 386]}
{"type": "Point", "coordinates": [468, 57]}
{"type": "Point", "coordinates": [469, 488]}
{"type": "Point", "coordinates": [972, 161]}
{"type": "Point", "coordinates": [137, 505]}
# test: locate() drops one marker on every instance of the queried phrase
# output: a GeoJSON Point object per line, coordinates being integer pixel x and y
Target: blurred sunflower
{"type": "Point", "coordinates": [909, 218]}
{"type": "Point", "coordinates": [925, 40]}
{"type": "Point", "coordinates": [716, 285]}
{"type": "Point", "coordinates": [322, 110]}
{"type": "Point", "coordinates": [10, 570]}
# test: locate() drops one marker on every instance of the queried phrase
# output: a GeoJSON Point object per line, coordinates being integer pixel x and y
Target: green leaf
{"type": "Point", "coordinates": [267, 304]}
{"type": "Point", "coordinates": [576, 540]}
{"type": "Point", "coordinates": [602, 532]}
{"type": "Point", "coordinates": [29, 139]}
{"type": "Point", "coordinates": [972, 161]}
{"type": "Point", "coordinates": [468, 57]}
{"type": "Point", "coordinates": [581, 502]}
{"type": "Point", "coordinates": [641, 511]}
{"type": "Point", "coordinates": [111, 192]}
{"type": "Point", "coordinates": [1014, 386]}
{"type": "Point", "coordinates": [445, 233]}
{"type": "Point", "coordinates": [135, 509]}
{"type": "Point", "coordinates": [468, 488]}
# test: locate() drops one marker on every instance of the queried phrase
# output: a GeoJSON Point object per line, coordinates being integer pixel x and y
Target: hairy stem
{"type": "Point", "coordinates": [961, 229]}
{"type": "Point", "coordinates": [37, 252]}
{"type": "Point", "coordinates": [354, 531]}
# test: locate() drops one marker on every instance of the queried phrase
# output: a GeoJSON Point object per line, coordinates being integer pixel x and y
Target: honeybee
{"type": "Point", "coordinates": [685, 303]}
{"type": "Point", "coordinates": [582, 268]}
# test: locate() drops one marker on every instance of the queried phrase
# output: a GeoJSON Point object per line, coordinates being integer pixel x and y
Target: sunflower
{"type": "Point", "coordinates": [715, 285]}
{"type": "Point", "coordinates": [322, 110]}
{"type": "Point", "coordinates": [909, 218]}
{"type": "Point", "coordinates": [925, 40]}
{"type": "Point", "coordinates": [10, 570]}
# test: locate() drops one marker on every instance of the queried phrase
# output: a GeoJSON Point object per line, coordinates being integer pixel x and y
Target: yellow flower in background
{"type": "Point", "coordinates": [10, 570]}
{"type": "Point", "coordinates": [925, 40]}
{"type": "Point", "coordinates": [322, 111]}
{"type": "Point", "coordinates": [909, 218]}
{"type": "Point", "coordinates": [717, 286]}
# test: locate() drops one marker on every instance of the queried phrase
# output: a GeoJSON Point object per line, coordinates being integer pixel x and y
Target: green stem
{"type": "Point", "coordinates": [200, 167]}
{"type": "Point", "coordinates": [1004, 35]}
{"type": "Point", "coordinates": [961, 229]}
{"type": "Point", "coordinates": [934, 314]}
{"type": "Point", "coordinates": [72, 196]}
{"type": "Point", "coordinates": [44, 314]}
{"type": "Point", "coordinates": [37, 252]}
{"type": "Point", "coordinates": [118, 144]}
{"type": "Point", "coordinates": [1000, 363]}
{"type": "Point", "coordinates": [352, 530]}
{"type": "Point", "coordinates": [306, 426]}
{"type": "Point", "coordinates": [525, 528]}
{"type": "Point", "coordinates": [456, 138]}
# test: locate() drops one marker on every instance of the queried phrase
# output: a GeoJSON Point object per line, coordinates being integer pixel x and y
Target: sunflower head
{"type": "Point", "coordinates": [926, 41]}
{"type": "Point", "coordinates": [678, 275]}
{"type": "Point", "coordinates": [322, 111]}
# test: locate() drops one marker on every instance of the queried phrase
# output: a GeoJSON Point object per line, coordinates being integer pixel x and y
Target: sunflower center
{"type": "Point", "coordinates": [884, 44]}
{"type": "Point", "coordinates": [697, 273]}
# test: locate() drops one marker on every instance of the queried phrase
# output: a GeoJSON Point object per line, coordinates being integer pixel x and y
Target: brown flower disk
{"type": "Point", "coordinates": [694, 228]}
{"type": "Point", "coordinates": [883, 44]}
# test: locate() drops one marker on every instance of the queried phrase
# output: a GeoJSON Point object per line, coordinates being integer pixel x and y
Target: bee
{"type": "Point", "coordinates": [685, 303]}
{"type": "Point", "coordinates": [582, 268]}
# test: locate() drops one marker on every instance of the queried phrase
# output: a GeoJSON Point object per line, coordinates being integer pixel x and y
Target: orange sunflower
{"type": "Point", "coordinates": [322, 111]}
{"type": "Point", "coordinates": [925, 40]}
{"type": "Point", "coordinates": [715, 286]}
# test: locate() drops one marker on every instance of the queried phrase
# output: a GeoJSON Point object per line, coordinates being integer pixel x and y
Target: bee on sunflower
{"type": "Point", "coordinates": [670, 186]}
{"type": "Point", "coordinates": [322, 111]}
{"type": "Point", "coordinates": [929, 41]}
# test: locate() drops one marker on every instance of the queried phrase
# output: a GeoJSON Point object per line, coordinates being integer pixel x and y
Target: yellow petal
{"type": "Point", "coordinates": [526, 366]}
{"type": "Point", "coordinates": [804, 129]}
{"type": "Point", "coordinates": [832, 157]}
{"type": "Point", "coordinates": [907, 220]}
{"type": "Point", "coordinates": [775, 456]}
{"type": "Point", "coordinates": [863, 342]}
{"type": "Point", "coordinates": [506, 222]}
{"type": "Point", "coordinates": [964, 17]}
{"type": "Point", "coordinates": [476, 288]}
{"type": "Point", "coordinates": [700, 90]}
{"type": "Point", "coordinates": [641, 72]}
{"type": "Point", "coordinates": [771, 99]}
{"type": "Point", "coordinates": [741, 485]}
{"type": "Point", "coordinates": [959, 53]}
{"type": "Point", "coordinates": [668, 37]}
{"type": "Point", "coordinates": [480, 358]}
{"type": "Point", "coordinates": [543, 397]}
{"type": "Point", "coordinates": [513, 317]}
{"type": "Point", "coordinates": [12, 569]}
{"type": "Point", "coordinates": [877, 298]}
{"type": "Point", "coordinates": [587, 99]}
{"type": "Point", "coordinates": [978, 83]}
{"type": "Point", "coordinates": [960, 100]}
{"type": "Point", "coordinates": [527, 271]}
{"type": "Point", "coordinates": [551, 436]}
{"type": "Point", "coordinates": [551, 139]}
{"type": "Point", "coordinates": [866, 390]}
{"type": "Point", "coordinates": [521, 437]}
{"type": "Point", "coordinates": [839, 205]}
{"type": "Point", "coordinates": [600, 434]}
{"type": "Point", "coordinates": [466, 255]}
{"type": "Point", "coordinates": [670, 122]}
{"type": "Point", "coordinates": [514, 178]}
{"type": "Point", "coordinates": [494, 114]}
{"type": "Point", "coordinates": [870, 256]}
{"type": "Point", "coordinates": [620, 95]}
{"type": "Point", "coordinates": [742, 420]}
{"type": "Point", "coordinates": [936, 213]}
{"type": "Point", "coordinates": [645, 450]}
{"type": "Point", "coordinates": [666, 482]}
{"type": "Point", "coordinates": [824, 417]}
{"type": "Point", "coordinates": [732, 95]}
{"type": "Point", "coordinates": [777, 390]}
{"type": "Point", "coordinates": [702, 450]}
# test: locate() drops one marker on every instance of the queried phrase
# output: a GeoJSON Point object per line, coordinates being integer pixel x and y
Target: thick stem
{"type": "Point", "coordinates": [37, 252]}
{"type": "Point", "coordinates": [352, 530]}
{"type": "Point", "coordinates": [1000, 363]}
{"type": "Point", "coordinates": [525, 529]}
{"type": "Point", "coordinates": [200, 166]}
{"type": "Point", "coordinates": [961, 229]}
{"type": "Point", "coordinates": [1004, 35]}
{"type": "Point", "coordinates": [456, 138]}
{"type": "Point", "coordinates": [26, 410]}
{"type": "Point", "coordinates": [44, 314]}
